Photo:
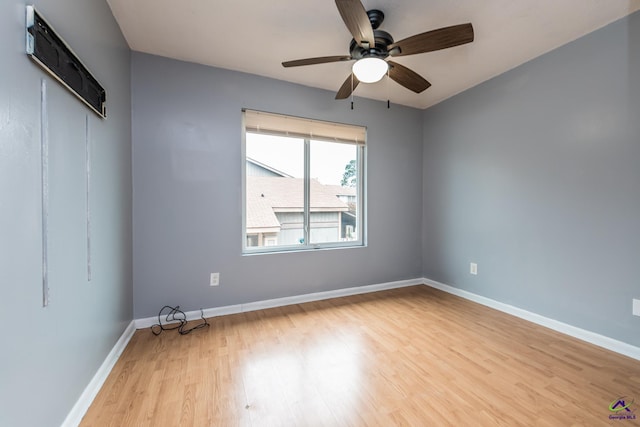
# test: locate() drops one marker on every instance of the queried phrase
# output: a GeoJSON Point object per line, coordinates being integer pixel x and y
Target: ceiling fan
{"type": "Point", "coordinates": [371, 47]}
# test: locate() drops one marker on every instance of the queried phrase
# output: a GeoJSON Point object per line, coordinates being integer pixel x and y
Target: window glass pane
{"type": "Point", "coordinates": [333, 192]}
{"type": "Point", "coordinates": [274, 191]}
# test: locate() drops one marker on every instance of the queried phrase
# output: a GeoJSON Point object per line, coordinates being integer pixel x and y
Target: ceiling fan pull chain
{"type": "Point", "coordinates": [352, 91]}
{"type": "Point", "coordinates": [387, 83]}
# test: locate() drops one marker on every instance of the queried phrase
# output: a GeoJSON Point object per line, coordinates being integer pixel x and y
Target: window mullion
{"type": "Point", "coordinates": [307, 191]}
{"type": "Point", "coordinates": [360, 189]}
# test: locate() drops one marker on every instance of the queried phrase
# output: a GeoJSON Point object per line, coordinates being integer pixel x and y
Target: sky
{"type": "Point", "coordinates": [328, 159]}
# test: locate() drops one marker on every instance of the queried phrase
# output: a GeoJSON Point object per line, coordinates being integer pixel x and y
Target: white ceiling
{"type": "Point", "coordinates": [255, 36]}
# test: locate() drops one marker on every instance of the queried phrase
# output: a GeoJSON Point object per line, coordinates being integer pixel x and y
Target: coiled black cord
{"type": "Point", "coordinates": [176, 315]}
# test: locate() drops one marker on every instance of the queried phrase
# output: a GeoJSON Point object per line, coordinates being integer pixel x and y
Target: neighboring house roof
{"type": "Point", "coordinates": [271, 171]}
{"type": "Point", "coordinates": [260, 215]}
{"type": "Point", "coordinates": [339, 190]}
{"type": "Point", "coordinates": [268, 195]}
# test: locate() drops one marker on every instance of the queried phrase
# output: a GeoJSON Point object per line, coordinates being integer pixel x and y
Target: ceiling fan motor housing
{"type": "Point", "coordinates": [382, 40]}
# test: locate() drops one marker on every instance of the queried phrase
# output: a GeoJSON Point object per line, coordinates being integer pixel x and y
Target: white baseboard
{"type": "Point", "coordinates": [86, 398]}
{"type": "Point", "coordinates": [281, 302]}
{"type": "Point", "coordinates": [581, 334]}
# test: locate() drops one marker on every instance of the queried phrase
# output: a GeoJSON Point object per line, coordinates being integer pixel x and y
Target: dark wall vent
{"type": "Point", "coordinates": [46, 48]}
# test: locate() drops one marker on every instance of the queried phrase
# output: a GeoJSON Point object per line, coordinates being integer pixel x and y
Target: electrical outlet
{"type": "Point", "coordinates": [473, 268]}
{"type": "Point", "coordinates": [636, 307]}
{"type": "Point", "coordinates": [214, 279]}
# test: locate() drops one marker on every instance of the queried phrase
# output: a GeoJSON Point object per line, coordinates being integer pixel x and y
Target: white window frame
{"type": "Point", "coordinates": [301, 126]}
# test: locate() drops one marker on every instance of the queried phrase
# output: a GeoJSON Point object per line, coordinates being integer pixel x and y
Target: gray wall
{"type": "Point", "coordinates": [187, 186]}
{"type": "Point", "coordinates": [49, 355]}
{"type": "Point", "coordinates": [535, 175]}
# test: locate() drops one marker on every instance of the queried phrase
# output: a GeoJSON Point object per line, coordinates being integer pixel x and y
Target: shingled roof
{"type": "Point", "coordinates": [268, 195]}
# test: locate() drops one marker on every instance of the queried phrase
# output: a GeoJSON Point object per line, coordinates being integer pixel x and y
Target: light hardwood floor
{"type": "Point", "coordinates": [412, 357]}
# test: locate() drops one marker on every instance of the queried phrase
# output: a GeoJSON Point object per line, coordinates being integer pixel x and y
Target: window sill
{"type": "Point", "coordinates": [297, 249]}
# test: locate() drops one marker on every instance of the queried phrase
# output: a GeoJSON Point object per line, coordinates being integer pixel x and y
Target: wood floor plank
{"type": "Point", "coordinates": [407, 357]}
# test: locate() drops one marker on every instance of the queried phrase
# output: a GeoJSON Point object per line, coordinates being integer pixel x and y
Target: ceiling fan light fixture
{"type": "Point", "coordinates": [370, 69]}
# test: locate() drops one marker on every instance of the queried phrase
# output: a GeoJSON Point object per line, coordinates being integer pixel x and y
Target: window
{"type": "Point", "coordinates": [303, 183]}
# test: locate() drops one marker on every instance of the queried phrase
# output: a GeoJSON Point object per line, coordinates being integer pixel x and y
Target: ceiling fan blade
{"type": "Point", "coordinates": [357, 21]}
{"type": "Point", "coordinates": [347, 87]}
{"type": "Point", "coordinates": [407, 78]}
{"type": "Point", "coordinates": [433, 40]}
{"type": "Point", "coordinates": [312, 61]}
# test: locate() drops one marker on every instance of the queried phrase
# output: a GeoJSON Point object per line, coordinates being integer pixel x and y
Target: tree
{"type": "Point", "coordinates": [349, 176]}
